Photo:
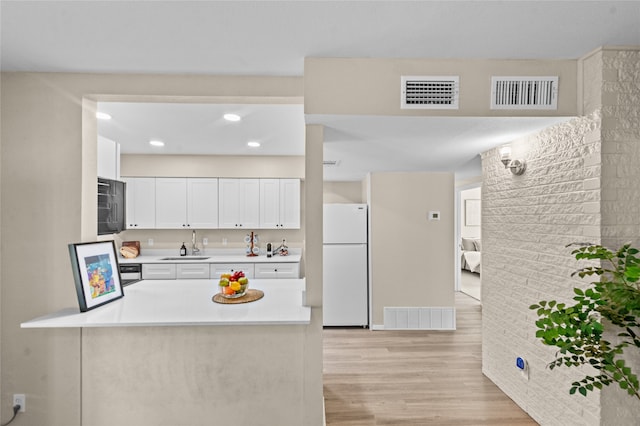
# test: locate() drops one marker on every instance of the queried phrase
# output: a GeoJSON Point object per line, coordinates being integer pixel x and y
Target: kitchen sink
{"type": "Point", "coordinates": [185, 258]}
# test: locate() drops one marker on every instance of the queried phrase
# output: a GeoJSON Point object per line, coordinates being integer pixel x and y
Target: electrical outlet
{"type": "Point", "coordinates": [21, 400]}
{"type": "Point", "coordinates": [150, 242]}
{"type": "Point", "coordinates": [224, 241]}
{"type": "Point", "coordinates": [205, 241]}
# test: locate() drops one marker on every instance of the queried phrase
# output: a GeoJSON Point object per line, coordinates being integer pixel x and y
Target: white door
{"type": "Point", "coordinates": [249, 203]}
{"type": "Point", "coordinates": [141, 203]}
{"type": "Point", "coordinates": [345, 285]}
{"type": "Point", "coordinates": [269, 203]}
{"type": "Point", "coordinates": [229, 204]}
{"type": "Point", "coordinates": [202, 203]}
{"type": "Point", "coordinates": [290, 203]}
{"type": "Point", "coordinates": [345, 223]}
{"type": "Point", "coordinates": [171, 203]}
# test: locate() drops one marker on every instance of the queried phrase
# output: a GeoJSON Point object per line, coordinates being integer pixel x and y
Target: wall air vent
{"type": "Point", "coordinates": [524, 93]}
{"type": "Point", "coordinates": [430, 92]}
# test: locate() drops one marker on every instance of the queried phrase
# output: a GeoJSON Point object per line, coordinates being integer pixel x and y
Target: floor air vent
{"type": "Point", "coordinates": [430, 92]}
{"type": "Point", "coordinates": [524, 92]}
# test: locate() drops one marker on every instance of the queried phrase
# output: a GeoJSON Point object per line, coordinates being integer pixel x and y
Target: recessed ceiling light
{"type": "Point", "coordinates": [232, 117]}
{"type": "Point", "coordinates": [103, 116]}
{"type": "Point", "coordinates": [253, 144]}
{"type": "Point", "coordinates": [156, 143]}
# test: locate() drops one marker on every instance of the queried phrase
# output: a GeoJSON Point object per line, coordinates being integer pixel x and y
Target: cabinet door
{"type": "Point", "coordinates": [239, 203]}
{"type": "Point", "coordinates": [290, 203]}
{"type": "Point", "coordinates": [202, 203]}
{"type": "Point", "coordinates": [266, 271]}
{"type": "Point", "coordinates": [171, 203]}
{"type": "Point", "coordinates": [250, 203]}
{"type": "Point", "coordinates": [228, 203]}
{"type": "Point", "coordinates": [280, 203]}
{"type": "Point", "coordinates": [221, 268]}
{"type": "Point", "coordinates": [108, 158]}
{"type": "Point", "coordinates": [288, 270]}
{"type": "Point", "coordinates": [269, 203]}
{"type": "Point", "coordinates": [278, 270]}
{"type": "Point", "coordinates": [156, 271]}
{"type": "Point", "coordinates": [141, 203]}
{"type": "Point", "coordinates": [192, 271]}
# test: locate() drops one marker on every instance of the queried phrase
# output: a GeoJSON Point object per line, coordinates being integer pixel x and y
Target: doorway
{"type": "Point", "coordinates": [469, 241]}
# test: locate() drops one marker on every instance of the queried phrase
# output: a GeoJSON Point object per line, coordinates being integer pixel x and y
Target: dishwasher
{"type": "Point", "coordinates": [130, 273]}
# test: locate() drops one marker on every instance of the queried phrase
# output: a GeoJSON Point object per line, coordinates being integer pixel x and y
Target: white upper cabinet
{"type": "Point", "coordinates": [171, 203]}
{"type": "Point", "coordinates": [186, 203]}
{"type": "Point", "coordinates": [202, 203]}
{"type": "Point", "coordinates": [239, 203]}
{"type": "Point", "coordinates": [141, 203]}
{"type": "Point", "coordinates": [108, 158]}
{"type": "Point", "coordinates": [280, 203]}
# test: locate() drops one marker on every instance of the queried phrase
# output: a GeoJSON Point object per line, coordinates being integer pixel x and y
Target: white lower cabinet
{"type": "Point", "coordinates": [223, 268]}
{"type": "Point", "coordinates": [192, 271]}
{"type": "Point", "coordinates": [277, 270]}
{"type": "Point", "coordinates": [172, 271]}
{"type": "Point", "coordinates": [159, 271]}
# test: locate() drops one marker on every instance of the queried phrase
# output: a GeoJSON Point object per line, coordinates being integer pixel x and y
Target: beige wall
{"type": "Point", "coordinates": [372, 86]}
{"type": "Point", "coordinates": [412, 258]}
{"type": "Point", "coordinates": [48, 174]}
{"type": "Point", "coordinates": [343, 192]}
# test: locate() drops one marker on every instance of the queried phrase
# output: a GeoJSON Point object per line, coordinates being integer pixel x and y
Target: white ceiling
{"type": "Point", "coordinates": [274, 37]}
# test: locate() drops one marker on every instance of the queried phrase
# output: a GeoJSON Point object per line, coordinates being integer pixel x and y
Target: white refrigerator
{"type": "Point", "coordinates": [345, 269]}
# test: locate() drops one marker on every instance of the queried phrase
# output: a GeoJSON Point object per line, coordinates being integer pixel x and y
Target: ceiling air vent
{"type": "Point", "coordinates": [524, 92]}
{"type": "Point", "coordinates": [331, 163]}
{"type": "Point", "coordinates": [430, 92]}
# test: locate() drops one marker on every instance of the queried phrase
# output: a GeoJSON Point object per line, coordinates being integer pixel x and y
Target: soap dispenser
{"type": "Point", "coordinates": [183, 250]}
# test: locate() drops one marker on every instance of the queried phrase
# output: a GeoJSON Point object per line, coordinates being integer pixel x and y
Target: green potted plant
{"type": "Point", "coordinates": [612, 303]}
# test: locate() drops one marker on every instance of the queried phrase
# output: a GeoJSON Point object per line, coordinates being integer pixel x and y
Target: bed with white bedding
{"type": "Point", "coordinates": [471, 254]}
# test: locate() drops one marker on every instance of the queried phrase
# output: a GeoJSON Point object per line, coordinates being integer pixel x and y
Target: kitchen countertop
{"type": "Point", "coordinates": [187, 303]}
{"type": "Point", "coordinates": [213, 256]}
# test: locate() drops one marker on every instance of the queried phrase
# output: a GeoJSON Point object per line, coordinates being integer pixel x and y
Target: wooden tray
{"type": "Point", "coordinates": [251, 296]}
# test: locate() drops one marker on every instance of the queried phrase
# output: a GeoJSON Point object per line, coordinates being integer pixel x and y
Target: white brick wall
{"type": "Point", "coordinates": [581, 184]}
{"type": "Point", "coordinates": [621, 189]}
{"type": "Point", "coordinates": [526, 223]}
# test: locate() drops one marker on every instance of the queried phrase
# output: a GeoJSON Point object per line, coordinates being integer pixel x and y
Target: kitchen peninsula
{"type": "Point", "coordinates": [168, 354]}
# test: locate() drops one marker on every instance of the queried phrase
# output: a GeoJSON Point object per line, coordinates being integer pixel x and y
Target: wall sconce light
{"type": "Point", "coordinates": [517, 167]}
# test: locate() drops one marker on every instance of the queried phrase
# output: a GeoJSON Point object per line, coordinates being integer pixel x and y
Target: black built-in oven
{"type": "Point", "coordinates": [111, 206]}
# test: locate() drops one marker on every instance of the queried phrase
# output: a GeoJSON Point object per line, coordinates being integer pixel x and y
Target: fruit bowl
{"type": "Point", "coordinates": [233, 285]}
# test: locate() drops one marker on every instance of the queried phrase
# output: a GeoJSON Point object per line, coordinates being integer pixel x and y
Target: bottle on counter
{"type": "Point", "coordinates": [269, 250]}
{"type": "Point", "coordinates": [183, 250]}
{"type": "Point", "coordinates": [284, 251]}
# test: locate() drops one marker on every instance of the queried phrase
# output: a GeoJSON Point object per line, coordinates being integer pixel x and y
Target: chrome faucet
{"type": "Point", "coordinates": [194, 248]}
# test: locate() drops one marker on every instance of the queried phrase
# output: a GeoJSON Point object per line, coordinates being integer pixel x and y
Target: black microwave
{"type": "Point", "coordinates": [111, 206]}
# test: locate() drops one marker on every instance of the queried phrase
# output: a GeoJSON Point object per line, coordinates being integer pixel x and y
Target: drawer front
{"type": "Point", "coordinates": [220, 268]}
{"type": "Point", "coordinates": [277, 270]}
{"type": "Point", "coordinates": [193, 271]}
{"type": "Point", "coordinates": [288, 270]}
{"type": "Point", "coordinates": [154, 271]}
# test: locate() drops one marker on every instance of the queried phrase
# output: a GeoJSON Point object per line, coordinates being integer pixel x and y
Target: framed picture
{"type": "Point", "coordinates": [472, 212]}
{"type": "Point", "coordinates": [96, 273]}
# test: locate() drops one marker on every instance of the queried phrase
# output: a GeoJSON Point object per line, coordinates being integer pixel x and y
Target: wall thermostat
{"type": "Point", "coordinates": [434, 215]}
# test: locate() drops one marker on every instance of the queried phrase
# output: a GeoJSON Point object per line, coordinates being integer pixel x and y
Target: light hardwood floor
{"type": "Point", "coordinates": [414, 377]}
{"type": "Point", "coordinates": [470, 284]}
